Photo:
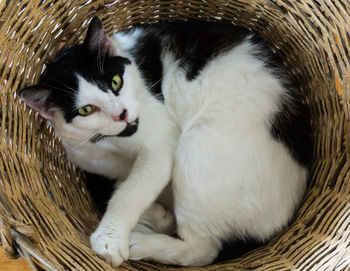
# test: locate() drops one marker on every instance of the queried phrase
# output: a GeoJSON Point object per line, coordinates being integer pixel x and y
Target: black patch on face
{"type": "Point", "coordinates": [130, 129]}
{"type": "Point", "coordinates": [61, 75]}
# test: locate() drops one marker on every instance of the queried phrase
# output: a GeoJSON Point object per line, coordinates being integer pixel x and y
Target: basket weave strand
{"type": "Point", "coordinates": [45, 212]}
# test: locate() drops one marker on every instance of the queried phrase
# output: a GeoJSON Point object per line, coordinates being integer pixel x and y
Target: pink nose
{"type": "Point", "coordinates": [122, 117]}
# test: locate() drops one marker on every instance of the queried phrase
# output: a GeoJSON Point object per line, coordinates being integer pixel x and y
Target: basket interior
{"type": "Point", "coordinates": [43, 198]}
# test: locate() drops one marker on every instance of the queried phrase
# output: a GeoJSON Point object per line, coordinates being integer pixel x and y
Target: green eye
{"type": "Point", "coordinates": [116, 82]}
{"type": "Point", "coordinates": [85, 110]}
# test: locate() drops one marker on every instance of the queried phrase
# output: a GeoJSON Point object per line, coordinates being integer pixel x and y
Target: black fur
{"type": "Point", "coordinates": [131, 128]}
{"type": "Point", "coordinates": [234, 249]}
{"type": "Point", "coordinates": [194, 43]}
{"type": "Point", "coordinates": [291, 125]}
{"type": "Point", "coordinates": [100, 188]}
{"type": "Point", "coordinates": [147, 57]}
{"type": "Point", "coordinates": [60, 75]}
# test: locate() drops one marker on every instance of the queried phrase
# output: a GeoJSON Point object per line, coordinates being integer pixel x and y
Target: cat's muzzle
{"type": "Point", "coordinates": [130, 129]}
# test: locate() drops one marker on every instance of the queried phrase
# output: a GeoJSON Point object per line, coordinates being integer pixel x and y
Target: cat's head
{"type": "Point", "coordinates": [88, 91]}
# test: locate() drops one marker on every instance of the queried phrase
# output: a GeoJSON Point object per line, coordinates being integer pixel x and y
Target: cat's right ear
{"type": "Point", "coordinates": [97, 40]}
{"type": "Point", "coordinates": [37, 98]}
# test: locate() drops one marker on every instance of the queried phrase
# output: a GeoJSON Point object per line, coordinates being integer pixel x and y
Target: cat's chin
{"type": "Point", "coordinates": [129, 130]}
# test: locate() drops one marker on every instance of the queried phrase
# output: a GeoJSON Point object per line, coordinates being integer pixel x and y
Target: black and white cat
{"type": "Point", "coordinates": [201, 108]}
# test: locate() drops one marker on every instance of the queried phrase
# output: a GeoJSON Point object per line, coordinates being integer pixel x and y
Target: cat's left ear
{"type": "Point", "coordinates": [97, 41]}
{"type": "Point", "coordinates": [38, 98]}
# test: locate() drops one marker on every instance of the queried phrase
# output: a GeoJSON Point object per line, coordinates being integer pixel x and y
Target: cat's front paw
{"type": "Point", "coordinates": [139, 246]}
{"type": "Point", "coordinates": [111, 242]}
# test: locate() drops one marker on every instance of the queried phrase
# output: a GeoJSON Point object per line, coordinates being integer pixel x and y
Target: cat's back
{"type": "Point", "coordinates": [193, 43]}
{"type": "Point", "coordinates": [190, 64]}
{"type": "Point", "coordinates": [221, 73]}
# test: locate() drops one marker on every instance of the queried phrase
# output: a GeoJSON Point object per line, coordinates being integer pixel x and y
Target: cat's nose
{"type": "Point", "coordinates": [122, 117]}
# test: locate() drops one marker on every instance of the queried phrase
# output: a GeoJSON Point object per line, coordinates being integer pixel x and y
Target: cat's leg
{"type": "Point", "coordinates": [156, 219]}
{"type": "Point", "coordinates": [224, 186]}
{"type": "Point", "coordinates": [201, 205]}
{"type": "Point", "coordinates": [159, 218]}
{"type": "Point", "coordinates": [150, 175]}
{"type": "Point", "coordinates": [192, 250]}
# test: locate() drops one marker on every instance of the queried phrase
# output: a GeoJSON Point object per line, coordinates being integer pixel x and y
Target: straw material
{"type": "Point", "coordinates": [45, 212]}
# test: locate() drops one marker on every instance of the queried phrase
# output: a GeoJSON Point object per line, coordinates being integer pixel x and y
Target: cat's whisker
{"type": "Point", "coordinates": [220, 106]}
{"type": "Point", "coordinates": [58, 81]}
{"type": "Point", "coordinates": [103, 63]}
{"type": "Point", "coordinates": [82, 102]}
{"type": "Point", "coordinates": [160, 80]}
{"type": "Point", "coordinates": [77, 146]}
{"type": "Point", "coordinates": [98, 59]}
{"type": "Point", "coordinates": [86, 140]}
{"type": "Point", "coordinates": [99, 63]}
{"type": "Point", "coordinates": [141, 62]}
{"type": "Point", "coordinates": [54, 87]}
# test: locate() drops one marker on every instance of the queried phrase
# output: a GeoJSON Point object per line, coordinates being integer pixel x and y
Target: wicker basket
{"type": "Point", "coordinates": [46, 215]}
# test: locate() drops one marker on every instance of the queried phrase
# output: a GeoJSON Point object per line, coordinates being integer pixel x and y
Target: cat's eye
{"type": "Point", "coordinates": [116, 82]}
{"type": "Point", "coordinates": [85, 110]}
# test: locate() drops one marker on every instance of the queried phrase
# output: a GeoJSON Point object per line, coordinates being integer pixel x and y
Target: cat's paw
{"type": "Point", "coordinates": [159, 219]}
{"type": "Point", "coordinates": [111, 242]}
{"type": "Point", "coordinates": [139, 247]}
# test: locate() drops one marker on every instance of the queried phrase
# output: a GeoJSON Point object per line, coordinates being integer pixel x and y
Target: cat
{"type": "Point", "coordinates": [199, 118]}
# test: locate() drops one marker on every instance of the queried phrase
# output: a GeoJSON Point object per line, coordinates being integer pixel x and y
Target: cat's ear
{"type": "Point", "coordinates": [97, 41]}
{"type": "Point", "coordinates": [37, 98]}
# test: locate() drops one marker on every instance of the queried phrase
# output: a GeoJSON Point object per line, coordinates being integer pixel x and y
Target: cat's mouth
{"type": "Point", "coordinates": [130, 129]}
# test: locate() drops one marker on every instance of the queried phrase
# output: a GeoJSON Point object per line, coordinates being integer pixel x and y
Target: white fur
{"type": "Point", "coordinates": [111, 158]}
{"type": "Point", "coordinates": [144, 159]}
{"type": "Point", "coordinates": [230, 177]}
{"type": "Point", "coordinates": [125, 41]}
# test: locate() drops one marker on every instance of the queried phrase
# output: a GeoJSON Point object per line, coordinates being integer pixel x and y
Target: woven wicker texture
{"type": "Point", "coordinates": [45, 213]}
